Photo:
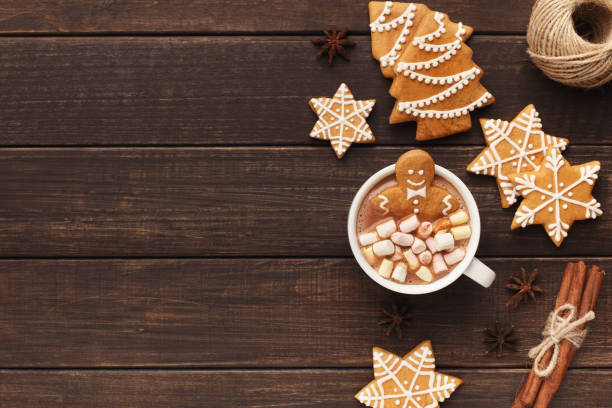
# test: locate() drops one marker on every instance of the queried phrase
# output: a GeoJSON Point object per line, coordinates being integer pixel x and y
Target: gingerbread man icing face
{"type": "Point", "coordinates": [414, 172]}
{"type": "Point", "coordinates": [414, 193]}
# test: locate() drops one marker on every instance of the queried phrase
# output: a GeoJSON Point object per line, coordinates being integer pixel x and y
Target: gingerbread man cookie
{"type": "Point", "coordinates": [414, 193]}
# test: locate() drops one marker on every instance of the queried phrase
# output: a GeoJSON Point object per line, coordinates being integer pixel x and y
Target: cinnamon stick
{"type": "Point", "coordinates": [529, 392]}
{"type": "Point", "coordinates": [567, 351]}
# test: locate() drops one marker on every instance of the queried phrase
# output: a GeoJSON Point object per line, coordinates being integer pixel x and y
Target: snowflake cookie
{"type": "Point", "coordinates": [556, 195]}
{"type": "Point", "coordinates": [342, 120]}
{"type": "Point", "coordinates": [513, 148]}
{"type": "Point", "coordinates": [408, 382]}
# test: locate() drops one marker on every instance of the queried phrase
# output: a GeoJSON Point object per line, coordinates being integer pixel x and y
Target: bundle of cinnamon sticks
{"type": "Point", "coordinates": [580, 289]}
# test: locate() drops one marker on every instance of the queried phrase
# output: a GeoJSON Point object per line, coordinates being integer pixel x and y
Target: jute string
{"type": "Point", "coordinates": [559, 327]}
{"type": "Point", "coordinates": [560, 52]}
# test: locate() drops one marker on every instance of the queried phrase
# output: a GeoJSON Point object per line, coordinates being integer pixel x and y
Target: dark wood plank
{"type": "Point", "coordinates": [287, 388]}
{"type": "Point", "coordinates": [234, 202]}
{"type": "Point", "coordinates": [201, 16]}
{"type": "Point", "coordinates": [258, 313]}
{"type": "Point", "coordinates": [243, 91]}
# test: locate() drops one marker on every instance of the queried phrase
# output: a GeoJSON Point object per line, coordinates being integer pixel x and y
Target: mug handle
{"type": "Point", "coordinates": [480, 273]}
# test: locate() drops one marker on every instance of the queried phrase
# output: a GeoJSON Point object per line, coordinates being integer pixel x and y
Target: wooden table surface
{"type": "Point", "coordinates": [171, 237]}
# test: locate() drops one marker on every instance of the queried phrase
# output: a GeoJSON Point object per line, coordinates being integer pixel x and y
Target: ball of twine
{"type": "Point", "coordinates": [561, 52]}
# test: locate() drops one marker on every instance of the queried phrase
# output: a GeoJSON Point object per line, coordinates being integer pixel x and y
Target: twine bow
{"type": "Point", "coordinates": [559, 328]}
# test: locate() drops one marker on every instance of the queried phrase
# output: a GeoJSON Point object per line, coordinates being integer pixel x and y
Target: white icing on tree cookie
{"type": "Point", "coordinates": [412, 57]}
{"type": "Point", "coordinates": [404, 20]}
{"type": "Point", "coordinates": [460, 80]}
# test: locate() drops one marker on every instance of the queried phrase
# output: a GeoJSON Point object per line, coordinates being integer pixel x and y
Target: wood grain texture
{"type": "Point", "coordinates": [243, 91]}
{"type": "Point", "coordinates": [242, 16]}
{"type": "Point", "coordinates": [244, 388]}
{"type": "Point", "coordinates": [235, 202]}
{"type": "Point", "coordinates": [259, 313]}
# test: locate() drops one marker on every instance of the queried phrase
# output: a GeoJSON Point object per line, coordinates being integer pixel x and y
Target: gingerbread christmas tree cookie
{"type": "Point", "coordinates": [342, 120]}
{"type": "Point", "coordinates": [556, 195]}
{"type": "Point", "coordinates": [410, 381]}
{"type": "Point", "coordinates": [513, 147]}
{"type": "Point", "coordinates": [435, 81]}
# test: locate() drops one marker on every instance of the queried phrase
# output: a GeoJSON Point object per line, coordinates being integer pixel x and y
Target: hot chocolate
{"type": "Point", "coordinates": [413, 236]}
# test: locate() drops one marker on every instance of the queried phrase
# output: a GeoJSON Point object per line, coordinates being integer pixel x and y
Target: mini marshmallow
{"type": "Point", "coordinates": [444, 241]}
{"type": "Point", "coordinates": [424, 230]}
{"type": "Point", "coordinates": [413, 261]}
{"type": "Point", "coordinates": [455, 256]}
{"type": "Point", "coordinates": [442, 225]}
{"type": "Point", "coordinates": [400, 272]}
{"type": "Point", "coordinates": [425, 274]}
{"type": "Point", "coordinates": [386, 229]}
{"type": "Point", "coordinates": [459, 217]}
{"type": "Point", "coordinates": [368, 238]}
{"type": "Point", "coordinates": [385, 268]}
{"type": "Point", "coordinates": [418, 246]}
{"type": "Point", "coordinates": [462, 232]}
{"type": "Point", "coordinates": [439, 265]}
{"type": "Point", "coordinates": [383, 248]}
{"type": "Point", "coordinates": [402, 239]}
{"type": "Point", "coordinates": [425, 257]}
{"type": "Point", "coordinates": [409, 224]}
{"type": "Point", "coordinates": [397, 255]}
{"type": "Point", "coordinates": [369, 255]}
{"type": "Point", "coordinates": [431, 245]}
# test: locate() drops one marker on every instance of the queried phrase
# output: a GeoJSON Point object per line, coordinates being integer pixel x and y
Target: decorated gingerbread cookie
{"type": "Point", "coordinates": [410, 381]}
{"type": "Point", "coordinates": [392, 25]}
{"type": "Point", "coordinates": [435, 81]}
{"type": "Point", "coordinates": [556, 195]}
{"type": "Point", "coordinates": [513, 147]}
{"type": "Point", "coordinates": [414, 193]}
{"type": "Point", "coordinates": [342, 120]}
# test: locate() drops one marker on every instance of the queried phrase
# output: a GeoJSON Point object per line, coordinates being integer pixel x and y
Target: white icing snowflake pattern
{"type": "Point", "coordinates": [342, 120]}
{"type": "Point", "coordinates": [408, 382]}
{"type": "Point", "coordinates": [513, 147]}
{"type": "Point", "coordinates": [558, 197]}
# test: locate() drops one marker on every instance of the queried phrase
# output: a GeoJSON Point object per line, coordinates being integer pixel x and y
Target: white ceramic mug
{"type": "Point", "coordinates": [469, 266]}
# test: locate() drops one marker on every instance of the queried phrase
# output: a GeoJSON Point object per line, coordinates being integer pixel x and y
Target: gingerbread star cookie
{"type": "Point", "coordinates": [414, 193]}
{"type": "Point", "coordinates": [513, 147]}
{"type": "Point", "coordinates": [410, 381]}
{"type": "Point", "coordinates": [342, 120]}
{"type": "Point", "coordinates": [556, 195]}
{"type": "Point", "coordinates": [435, 81]}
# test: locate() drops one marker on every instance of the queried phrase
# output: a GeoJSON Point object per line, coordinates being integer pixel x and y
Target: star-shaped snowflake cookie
{"type": "Point", "coordinates": [513, 147]}
{"type": "Point", "coordinates": [408, 382]}
{"type": "Point", "coordinates": [556, 195]}
{"type": "Point", "coordinates": [342, 120]}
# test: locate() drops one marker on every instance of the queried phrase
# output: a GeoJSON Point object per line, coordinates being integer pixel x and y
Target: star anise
{"type": "Point", "coordinates": [500, 338]}
{"type": "Point", "coordinates": [334, 43]}
{"type": "Point", "coordinates": [524, 286]}
{"type": "Point", "coordinates": [395, 317]}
